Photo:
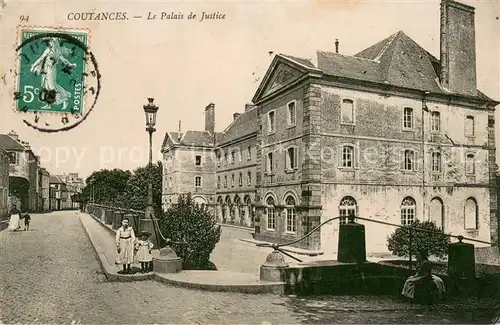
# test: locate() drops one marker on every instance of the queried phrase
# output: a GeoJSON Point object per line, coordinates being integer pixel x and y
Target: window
{"type": "Point", "coordinates": [232, 180]}
{"type": "Point", "coordinates": [435, 122]}
{"type": "Point", "coordinates": [240, 179]}
{"type": "Point", "coordinates": [469, 126]}
{"type": "Point", "coordinates": [225, 159]}
{"type": "Point", "coordinates": [270, 214]}
{"type": "Point", "coordinates": [249, 177]}
{"type": "Point", "coordinates": [218, 158]}
{"type": "Point", "coordinates": [290, 214]}
{"type": "Point", "coordinates": [233, 154]}
{"type": "Point", "coordinates": [347, 157]}
{"type": "Point", "coordinates": [269, 162]}
{"type": "Point", "coordinates": [240, 156]}
{"type": "Point", "coordinates": [347, 207]}
{"type": "Point", "coordinates": [198, 160]}
{"type": "Point", "coordinates": [249, 153]}
{"type": "Point", "coordinates": [291, 158]}
{"type": "Point", "coordinates": [347, 112]}
{"type": "Point", "coordinates": [471, 214]}
{"type": "Point", "coordinates": [469, 164]}
{"type": "Point", "coordinates": [225, 181]}
{"type": "Point", "coordinates": [292, 114]}
{"type": "Point", "coordinates": [408, 207]}
{"type": "Point", "coordinates": [408, 160]}
{"type": "Point", "coordinates": [271, 122]}
{"type": "Point", "coordinates": [436, 162]}
{"type": "Point", "coordinates": [197, 181]}
{"type": "Point", "coordinates": [14, 158]}
{"type": "Point", "coordinates": [218, 181]}
{"type": "Point", "coordinates": [407, 118]}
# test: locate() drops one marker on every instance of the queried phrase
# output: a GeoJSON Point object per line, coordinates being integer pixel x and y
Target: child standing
{"type": "Point", "coordinates": [27, 220]}
{"type": "Point", "coordinates": [143, 248]}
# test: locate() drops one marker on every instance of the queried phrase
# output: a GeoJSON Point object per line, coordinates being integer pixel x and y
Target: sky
{"type": "Point", "coordinates": [185, 65]}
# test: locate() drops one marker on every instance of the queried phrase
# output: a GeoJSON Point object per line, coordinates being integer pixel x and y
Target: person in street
{"type": "Point", "coordinates": [15, 218]}
{"type": "Point", "coordinates": [424, 272]}
{"type": "Point", "coordinates": [125, 240]}
{"type": "Point", "coordinates": [143, 251]}
{"type": "Point", "coordinates": [27, 220]}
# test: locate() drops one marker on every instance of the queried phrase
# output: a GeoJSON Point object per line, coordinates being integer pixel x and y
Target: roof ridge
{"type": "Point", "coordinates": [346, 56]}
{"type": "Point", "coordinates": [392, 38]}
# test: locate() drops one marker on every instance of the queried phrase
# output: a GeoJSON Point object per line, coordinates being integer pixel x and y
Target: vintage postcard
{"type": "Point", "coordinates": [249, 162]}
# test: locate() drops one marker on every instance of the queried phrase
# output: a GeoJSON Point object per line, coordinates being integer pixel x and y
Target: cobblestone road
{"type": "Point", "coordinates": [50, 275]}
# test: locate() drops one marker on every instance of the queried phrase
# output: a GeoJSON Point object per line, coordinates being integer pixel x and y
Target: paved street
{"type": "Point", "coordinates": [50, 275]}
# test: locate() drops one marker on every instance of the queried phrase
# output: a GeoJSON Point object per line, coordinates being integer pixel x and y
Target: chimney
{"type": "Point", "coordinates": [236, 115]}
{"type": "Point", "coordinates": [179, 135]}
{"type": "Point", "coordinates": [249, 106]}
{"type": "Point", "coordinates": [336, 46]}
{"type": "Point", "coordinates": [13, 135]}
{"type": "Point", "coordinates": [458, 48]}
{"type": "Point", "coordinates": [210, 118]}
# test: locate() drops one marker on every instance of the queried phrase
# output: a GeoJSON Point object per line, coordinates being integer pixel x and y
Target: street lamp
{"type": "Point", "coordinates": [150, 112]}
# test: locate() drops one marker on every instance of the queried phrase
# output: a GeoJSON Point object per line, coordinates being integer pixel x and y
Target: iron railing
{"type": "Point", "coordinates": [351, 219]}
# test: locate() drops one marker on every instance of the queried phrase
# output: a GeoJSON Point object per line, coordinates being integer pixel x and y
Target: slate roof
{"type": "Point", "coordinates": [54, 179]}
{"type": "Point", "coordinates": [298, 60]}
{"type": "Point", "coordinates": [190, 138]}
{"type": "Point", "coordinates": [8, 143]}
{"type": "Point", "coordinates": [243, 125]}
{"type": "Point", "coordinates": [396, 60]}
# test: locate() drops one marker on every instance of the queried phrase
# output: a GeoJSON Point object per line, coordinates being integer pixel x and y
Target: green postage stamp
{"type": "Point", "coordinates": [51, 71]}
{"type": "Point", "coordinates": [57, 79]}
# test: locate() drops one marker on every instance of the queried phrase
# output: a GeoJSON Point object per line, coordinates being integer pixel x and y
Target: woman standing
{"type": "Point", "coordinates": [125, 240]}
{"type": "Point", "coordinates": [15, 218]}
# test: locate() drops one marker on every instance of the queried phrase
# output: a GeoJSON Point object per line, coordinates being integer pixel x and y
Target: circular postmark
{"type": "Point", "coordinates": [57, 79]}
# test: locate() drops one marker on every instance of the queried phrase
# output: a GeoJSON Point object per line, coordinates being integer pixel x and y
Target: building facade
{"type": "Point", "coordinates": [391, 134]}
{"type": "Point", "coordinates": [45, 191]}
{"type": "Point", "coordinates": [74, 185]}
{"type": "Point", "coordinates": [4, 183]}
{"type": "Point", "coordinates": [58, 194]}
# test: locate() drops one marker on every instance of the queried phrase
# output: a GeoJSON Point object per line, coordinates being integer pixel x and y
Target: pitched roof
{"type": "Point", "coordinates": [54, 179]}
{"type": "Point", "coordinates": [243, 125]}
{"type": "Point", "coordinates": [396, 60]}
{"type": "Point", "coordinates": [8, 143]}
{"type": "Point", "coordinates": [302, 61]}
{"type": "Point", "coordinates": [190, 138]}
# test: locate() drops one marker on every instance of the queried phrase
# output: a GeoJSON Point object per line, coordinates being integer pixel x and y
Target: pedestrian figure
{"type": "Point", "coordinates": [143, 248]}
{"type": "Point", "coordinates": [15, 218]}
{"type": "Point", "coordinates": [125, 240]}
{"type": "Point", "coordinates": [27, 220]}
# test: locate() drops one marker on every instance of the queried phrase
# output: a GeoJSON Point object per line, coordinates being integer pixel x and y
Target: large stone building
{"type": "Point", "coordinates": [391, 133]}
{"type": "Point", "coordinates": [74, 185]}
{"type": "Point", "coordinates": [45, 191]}
{"type": "Point", "coordinates": [4, 183]}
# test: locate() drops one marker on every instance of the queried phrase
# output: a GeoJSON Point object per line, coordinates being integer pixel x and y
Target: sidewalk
{"type": "Point", "coordinates": [102, 238]}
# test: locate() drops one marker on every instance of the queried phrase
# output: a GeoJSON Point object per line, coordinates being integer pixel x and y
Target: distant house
{"type": "Point", "coordinates": [58, 193]}
{"type": "Point", "coordinates": [4, 182]}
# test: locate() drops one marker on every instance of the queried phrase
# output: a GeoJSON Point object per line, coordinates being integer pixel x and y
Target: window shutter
{"type": "Point", "coordinates": [415, 160]}
{"type": "Point", "coordinates": [356, 156]}
{"type": "Point", "coordinates": [339, 155]}
{"type": "Point", "coordinates": [402, 159]}
{"type": "Point", "coordinates": [296, 157]}
{"type": "Point", "coordinates": [287, 159]}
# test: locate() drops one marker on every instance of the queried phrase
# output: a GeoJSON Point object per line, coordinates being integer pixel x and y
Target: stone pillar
{"type": "Point", "coordinates": [108, 216]}
{"type": "Point", "coordinates": [352, 245]}
{"type": "Point", "coordinates": [117, 219]}
{"type": "Point", "coordinates": [272, 269]}
{"type": "Point", "coordinates": [461, 260]}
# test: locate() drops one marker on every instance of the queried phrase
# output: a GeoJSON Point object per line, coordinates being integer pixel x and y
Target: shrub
{"type": "Point", "coordinates": [194, 225]}
{"type": "Point", "coordinates": [434, 243]}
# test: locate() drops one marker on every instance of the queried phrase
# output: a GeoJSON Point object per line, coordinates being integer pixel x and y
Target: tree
{"type": "Point", "coordinates": [192, 224]}
{"type": "Point", "coordinates": [135, 195]}
{"type": "Point", "coordinates": [106, 185]}
{"type": "Point", "coordinates": [435, 243]}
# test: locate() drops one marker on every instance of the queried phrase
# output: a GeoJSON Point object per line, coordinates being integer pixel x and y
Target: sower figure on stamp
{"type": "Point", "coordinates": [125, 240]}
{"type": "Point", "coordinates": [143, 248]}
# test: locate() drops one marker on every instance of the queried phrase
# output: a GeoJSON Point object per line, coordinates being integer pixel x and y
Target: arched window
{"type": "Point", "coordinates": [290, 214]}
{"type": "Point", "coordinates": [471, 213]}
{"type": "Point", "coordinates": [408, 207]}
{"type": "Point", "coordinates": [436, 212]}
{"type": "Point", "coordinates": [347, 207]}
{"type": "Point", "coordinates": [270, 214]}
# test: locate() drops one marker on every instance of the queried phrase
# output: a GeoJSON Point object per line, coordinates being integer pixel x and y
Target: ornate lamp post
{"type": "Point", "coordinates": [150, 110]}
